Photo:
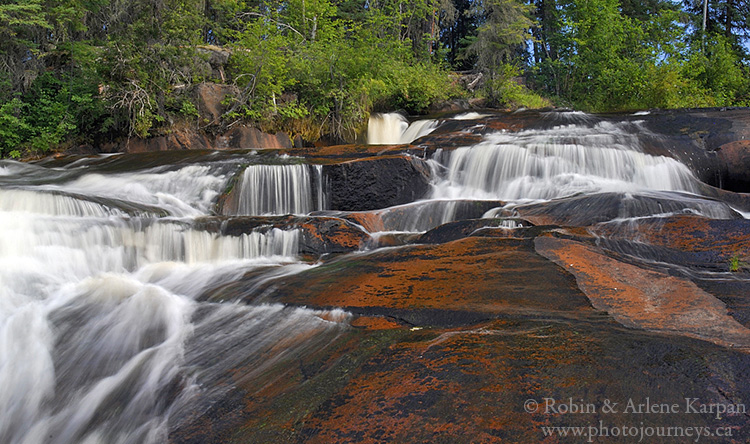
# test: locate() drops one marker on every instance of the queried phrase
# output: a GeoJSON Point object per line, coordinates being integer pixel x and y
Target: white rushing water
{"type": "Point", "coordinates": [558, 162]}
{"type": "Point", "coordinates": [579, 156]}
{"type": "Point", "coordinates": [393, 129]}
{"type": "Point", "coordinates": [103, 335]}
{"type": "Point", "coordinates": [186, 192]}
{"type": "Point", "coordinates": [280, 189]}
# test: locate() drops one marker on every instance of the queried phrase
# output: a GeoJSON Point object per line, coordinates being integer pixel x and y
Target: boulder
{"type": "Point", "coordinates": [735, 160]}
{"type": "Point", "coordinates": [246, 137]}
{"type": "Point", "coordinates": [376, 182]}
{"type": "Point", "coordinates": [210, 97]}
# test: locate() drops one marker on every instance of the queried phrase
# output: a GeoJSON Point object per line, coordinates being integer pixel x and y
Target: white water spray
{"type": "Point", "coordinates": [280, 189]}
{"type": "Point", "coordinates": [98, 309]}
{"type": "Point", "coordinates": [563, 161]}
{"type": "Point", "coordinates": [394, 129]}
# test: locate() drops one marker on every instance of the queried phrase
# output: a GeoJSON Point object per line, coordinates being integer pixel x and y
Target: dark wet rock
{"type": "Point", "coordinates": [584, 210]}
{"type": "Point", "coordinates": [165, 160]}
{"type": "Point", "coordinates": [463, 228]}
{"type": "Point", "coordinates": [694, 136]}
{"type": "Point", "coordinates": [377, 182]}
{"type": "Point", "coordinates": [483, 275]}
{"type": "Point", "coordinates": [334, 153]}
{"type": "Point", "coordinates": [684, 240]}
{"type": "Point", "coordinates": [319, 235]}
{"type": "Point", "coordinates": [735, 159]}
{"type": "Point", "coordinates": [392, 239]}
{"type": "Point", "coordinates": [732, 289]}
{"type": "Point", "coordinates": [420, 216]}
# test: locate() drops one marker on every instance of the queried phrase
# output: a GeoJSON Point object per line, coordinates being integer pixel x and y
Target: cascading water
{"type": "Point", "coordinates": [109, 324]}
{"type": "Point", "coordinates": [582, 156]}
{"type": "Point", "coordinates": [280, 189]}
{"type": "Point", "coordinates": [563, 161]}
{"type": "Point", "coordinates": [393, 128]}
{"type": "Point", "coordinates": [104, 335]}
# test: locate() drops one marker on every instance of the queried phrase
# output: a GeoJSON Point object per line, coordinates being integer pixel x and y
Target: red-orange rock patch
{"type": "Point", "coordinates": [642, 298]}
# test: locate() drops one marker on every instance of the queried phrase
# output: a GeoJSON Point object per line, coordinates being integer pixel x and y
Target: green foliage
{"type": "Point", "coordinates": [738, 263]}
{"type": "Point", "coordinates": [503, 33]}
{"type": "Point", "coordinates": [188, 109]}
{"type": "Point", "coordinates": [734, 263]}
{"type": "Point", "coordinates": [718, 72]}
{"type": "Point", "coordinates": [86, 71]}
{"type": "Point", "coordinates": [502, 90]}
{"type": "Point", "coordinates": [607, 60]}
{"type": "Point", "coordinates": [321, 76]}
{"type": "Point", "coordinates": [54, 110]}
{"type": "Point", "coordinates": [18, 15]}
{"type": "Point", "coordinates": [13, 129]}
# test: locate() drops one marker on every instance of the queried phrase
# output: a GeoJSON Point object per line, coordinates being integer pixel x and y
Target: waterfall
{"type": "Point", "coordinates": [24, 201]}
{"type": "Point", "coordinates": [120, 312]}
{"type": "Point", "coordinates": [579, 156]}
{"type": "Point", "coordinates": [186, 192]}
{"type": "Point", "coordinates": [280, 189]}
{"type": "Point", "coordinates": [104, 335]}
{"type": "Point", "coordinates": [393, 129]}
{"type": "Point", "coordinates": [558, 162]}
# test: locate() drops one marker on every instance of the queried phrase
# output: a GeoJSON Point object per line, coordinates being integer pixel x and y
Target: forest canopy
{"type": "Point", "coordinates": [89, 71]}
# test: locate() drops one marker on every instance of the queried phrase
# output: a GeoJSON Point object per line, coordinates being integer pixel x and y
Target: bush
{"type": "Point", "coordinates": [502, 90]}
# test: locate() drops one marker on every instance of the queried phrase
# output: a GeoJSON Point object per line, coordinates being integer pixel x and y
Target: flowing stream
{"type": "Point", "coordinates": [103, 332]}
{"type": "Point", "coordinates": [106, 335]}
{"type": "Point", "coordinates": [579, 156]}
{"type": "Point", "coordinates": [393, 129]}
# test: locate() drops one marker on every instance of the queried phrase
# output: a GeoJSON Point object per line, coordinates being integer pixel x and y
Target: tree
{"type": "Point", "coordinates": [729, 18]}
{"type": "Point", "coordinates": [503, 33]}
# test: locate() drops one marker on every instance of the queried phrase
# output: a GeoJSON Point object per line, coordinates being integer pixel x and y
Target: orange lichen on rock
{"type": "Point", "coordinates": [332, 234]}
{"type": "Point", "coordinates": [374, 323]}
{"type": "Point", "coordinates": [473, 274]}
{"type": "Point", "coordinates": [446, 386]}
{"type": "Point", "coordinates": [646, 299]}
{"type": "Point", "coordinates": [686, 232]}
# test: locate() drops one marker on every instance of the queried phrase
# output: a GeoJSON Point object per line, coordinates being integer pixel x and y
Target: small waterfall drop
{"type": "Point", "coordinates": [23, 201]}
{"type": "Point", "coordinates": [280, 189]}
{"type": "Point", "coordinates": [394, 129]}
{"type": "Point", "coordinates": [99, 308]}
{"type": "Point", "coordinates": [558, 162]}
{"type": "Point", "coordinates": [580, 156]}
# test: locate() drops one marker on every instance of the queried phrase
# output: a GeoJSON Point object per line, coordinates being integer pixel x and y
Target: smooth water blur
{"type": "Point", "coordinates": [106, 332]}
{"type": "Point", "coordinates": [559, 162]}
{"type": "Point", "coordinates": [103, 334]}
{"type": "Point", "coordinates": [394, 129]}
{"type": "Point", "coordinates": [573, 154]}
{"type": "Point", "coordinates": [581, 156]}
{"type": "Point", "coordinates": [280, 189]}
